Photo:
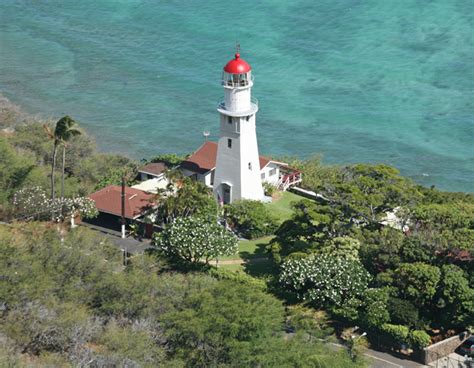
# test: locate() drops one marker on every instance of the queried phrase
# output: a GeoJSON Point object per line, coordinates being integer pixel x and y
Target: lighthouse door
{"type": "Point", "coordinates": [226, 191]}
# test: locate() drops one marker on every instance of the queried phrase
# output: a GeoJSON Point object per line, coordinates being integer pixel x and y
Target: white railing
{"type": "Point", "coordinates": [288, 180]}
{"type": "Point", "coordinates": [221, 103]}
{"type": "Point", "coordinates": [237, 83]}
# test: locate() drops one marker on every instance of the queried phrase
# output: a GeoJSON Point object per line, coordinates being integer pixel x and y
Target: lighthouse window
{"type": "Point", "coordinates": [229, 143]}
{"type": "Point", "coordinates": [229, 119]}
{"type": "Point", "coordinates": [247, 117]}
{"type": "Point", "coordinates": [250, 166]}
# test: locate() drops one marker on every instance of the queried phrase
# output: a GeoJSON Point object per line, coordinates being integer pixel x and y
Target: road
{"type": "Point", "coordinates": [378, 359]}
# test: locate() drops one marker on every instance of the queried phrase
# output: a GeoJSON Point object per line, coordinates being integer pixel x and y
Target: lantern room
{"type": "Point", "coordinates": [237, 73]}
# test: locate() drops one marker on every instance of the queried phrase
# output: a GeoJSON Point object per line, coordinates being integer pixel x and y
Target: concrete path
{"type": "Point", "coordinates": [384, 360]}
{"type": "Point", "coordinates": [238, 261]}
{"type": "Point", "coordinates": [378, 359]}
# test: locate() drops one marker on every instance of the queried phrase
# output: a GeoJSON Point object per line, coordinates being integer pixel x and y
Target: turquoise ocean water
{"type": "Point", "coordinates": [358, 81]}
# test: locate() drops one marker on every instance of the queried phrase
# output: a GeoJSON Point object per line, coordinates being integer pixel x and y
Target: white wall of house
{"type": "Point", "coordinates": [146, 176]}
{"type": "Point", "coordinates": [205, 178]}
{"type": "Point", "coordinates": [270, 173]}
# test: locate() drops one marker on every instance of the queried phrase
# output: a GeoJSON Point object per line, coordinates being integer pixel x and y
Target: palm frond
{"type": "Point", "coordinates": [65, 129]}
{"type": "Point", "coordinates": [48, 131]}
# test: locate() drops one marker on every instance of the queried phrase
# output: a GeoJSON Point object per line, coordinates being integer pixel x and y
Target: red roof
{"type": "Point", "coordinates": [204, 159]}
{"type": "Point", "coordinates": [109, 200]}
{"type": "Point", "coordinates": [237, 66]}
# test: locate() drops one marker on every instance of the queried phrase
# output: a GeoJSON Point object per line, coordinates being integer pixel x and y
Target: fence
{"type": "Point", "coordinates": [442, 352]}
{"type": "Point", "coordinates": [450, 361]}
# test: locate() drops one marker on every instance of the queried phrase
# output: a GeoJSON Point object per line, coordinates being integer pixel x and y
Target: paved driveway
{"type": "Point", "coordinates": [131, 245]}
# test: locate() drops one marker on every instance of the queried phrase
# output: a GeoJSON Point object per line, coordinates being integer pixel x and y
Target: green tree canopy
{"type": "Point", "coordinates": [14, 170]}
{"type": "Point", "coordinates": [456, 297]}
{"type": "Point", "coordinates": [417, 282]}
{"type": "Point", "coordinates": [250, 218]}
{"type": "Point", "coordinates": [185, 197]}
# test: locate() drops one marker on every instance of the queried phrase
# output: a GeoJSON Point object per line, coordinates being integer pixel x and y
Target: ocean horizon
{"type": "Point", "coordinates": [354, 81]}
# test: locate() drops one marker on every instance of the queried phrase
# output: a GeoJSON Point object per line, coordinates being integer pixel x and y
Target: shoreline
{"type": "Point", "coordinates": [12, 115]}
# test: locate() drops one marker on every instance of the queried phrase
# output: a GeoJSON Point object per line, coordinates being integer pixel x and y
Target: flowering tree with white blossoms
{"type": "Point", "coordinates": [324, 279]}
{"type": "Point", "coordinates": [194, 239]}
{"type": "Point", "coordinates": [33, 203]}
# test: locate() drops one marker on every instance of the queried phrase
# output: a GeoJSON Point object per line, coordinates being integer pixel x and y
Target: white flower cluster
{"type": "Point", "coordinates": [194, 238]}
{"type": "Point", "coordinates": [34, 203]}
{"type": "Point", "coordinates": [325, 279]}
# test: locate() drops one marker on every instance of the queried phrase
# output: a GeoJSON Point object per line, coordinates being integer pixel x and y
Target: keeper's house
{"type": "Point", "coordinates": [201, 166]}
{"type": "Point", "coordinates": [138, 205]}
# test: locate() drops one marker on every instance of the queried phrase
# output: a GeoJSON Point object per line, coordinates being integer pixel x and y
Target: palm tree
{"type": "Point", "coordinates": [63, 132]}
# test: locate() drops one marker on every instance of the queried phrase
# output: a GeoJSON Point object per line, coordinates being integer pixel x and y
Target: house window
{"type": "Point", "coordinates": [229, 143]}
{"type": "Point", "coordinates": [250, 166]}
{"type": "Point", "coordinates": [272, 172]}
{"type": "Point", "coordinates": [229, 119]}
{"type": "Point", "coordinates": [262, 176]}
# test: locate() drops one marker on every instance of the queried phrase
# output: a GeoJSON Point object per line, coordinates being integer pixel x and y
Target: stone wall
{"type": "Point", "coordinates": [443, 348]}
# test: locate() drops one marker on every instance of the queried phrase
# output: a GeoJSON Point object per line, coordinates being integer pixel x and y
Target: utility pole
{"type": "Point", "coordinates": [123, 207]}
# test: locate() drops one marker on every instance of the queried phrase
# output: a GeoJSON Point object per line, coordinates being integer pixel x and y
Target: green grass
{"type": "Point", "coordinates": [254, 254]}
{"type": "Point", "coordinates": [255, 249]}
{"type": "Point", "coordinates": [251, 248]}
{"type": "Point", "coordinates": [281, 207]}
{"type": "Point", "coordinates": [258, 269]}
{"type": "Point", "coordinates": [234, 267]}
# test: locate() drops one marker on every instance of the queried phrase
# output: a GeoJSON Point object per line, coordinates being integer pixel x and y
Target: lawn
{"type": "Point", "coordinates": [253, 251]}
{"type": "Point", "coordinates": [250, 249]}
{"type": "Point", "coordinates": [281, 207]}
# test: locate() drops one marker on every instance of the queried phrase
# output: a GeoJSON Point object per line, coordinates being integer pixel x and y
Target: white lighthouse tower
{"type": "Point", "coordinates": [237, 174]}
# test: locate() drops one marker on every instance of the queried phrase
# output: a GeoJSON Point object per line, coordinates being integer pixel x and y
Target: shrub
{"type": "Point", "coordinates": [169, 159]}
{"type": "Point", "coordinates": [135, 344]}
{"type": "Point", "coordinates": [250, 218]}
{"type": "Point", "coordinates": [238, 277]}
{"type": "Point", "coordinates": [342, 247]}
{"type": "Point", "coordinates": [394, 335]}
{"type": "Point", "coordinates": [419, 339]}
{"type": "Point", "coordinates": [36, 327]}
{"type": "Point", "coordinates": [403, 312]}
{"type": "Point", "coordinates": [212, 326]}
{"type": "Point", "coordinates": [313, 322]}
{"type": "Point", "coordinates": [375, 311]}
{"type": "Point", "coordinates": [269, 189]}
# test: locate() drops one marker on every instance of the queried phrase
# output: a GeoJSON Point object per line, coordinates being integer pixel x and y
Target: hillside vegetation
{"type": "Point", "coordinates": [375, 251]}
{"type": "Point", "coordinates": [72, 303]}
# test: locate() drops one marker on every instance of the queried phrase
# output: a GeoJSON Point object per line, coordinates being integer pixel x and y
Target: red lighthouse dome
{"type": "Point", "coordinates": [237, 66]}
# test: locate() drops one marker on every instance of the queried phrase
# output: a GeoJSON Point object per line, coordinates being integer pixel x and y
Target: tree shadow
{"type": "Point", "coordinates": [258, 264]}
{"type": "Point", "coordinates": [260, 252]}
